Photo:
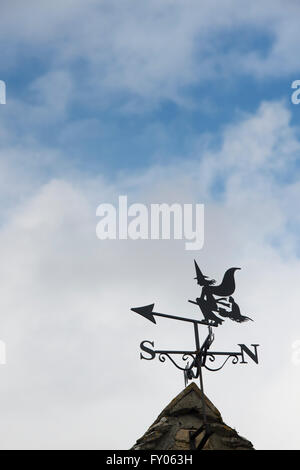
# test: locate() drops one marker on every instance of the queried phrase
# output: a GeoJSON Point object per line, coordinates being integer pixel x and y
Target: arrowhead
{"type": "Point", "coordinates": [145, 312]}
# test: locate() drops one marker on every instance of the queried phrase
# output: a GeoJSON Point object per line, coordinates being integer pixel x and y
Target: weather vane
{"type": "Point", "coordinates": [214, 302]}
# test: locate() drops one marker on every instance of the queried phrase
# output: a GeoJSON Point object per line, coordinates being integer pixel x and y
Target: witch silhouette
{"type": "Point", "coordinates": [209, 305]}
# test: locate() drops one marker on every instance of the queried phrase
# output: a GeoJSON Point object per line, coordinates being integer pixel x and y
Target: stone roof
{"type": "Point", "coordinates": [181, 418]}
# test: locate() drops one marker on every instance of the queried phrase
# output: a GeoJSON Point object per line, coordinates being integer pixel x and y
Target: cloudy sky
{"type": "Point", "coordinates": [162, 101]}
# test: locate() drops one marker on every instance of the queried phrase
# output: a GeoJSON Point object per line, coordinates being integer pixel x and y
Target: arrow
{"type": "Point", "coordinates": [147, 312]}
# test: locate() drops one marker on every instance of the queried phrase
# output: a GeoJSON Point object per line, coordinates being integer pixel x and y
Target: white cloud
{"type": "Point", "coordinates": [65, 297]}
{"type": "Point", "coordinates": [153, 50]}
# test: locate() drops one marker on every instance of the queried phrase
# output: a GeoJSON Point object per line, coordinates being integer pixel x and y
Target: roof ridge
{"type": "Point", "coordinates": [192, 387]}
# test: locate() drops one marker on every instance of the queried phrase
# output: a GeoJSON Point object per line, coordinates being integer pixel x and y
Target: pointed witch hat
{"type": "Point", "coordinates": [201, 279]}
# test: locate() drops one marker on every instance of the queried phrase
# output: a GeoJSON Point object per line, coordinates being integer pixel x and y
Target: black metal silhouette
{"type": "Point", "coordinates": [210, 304]}
{"type": "Point", "coordinates": [214, 300]}
{"type": "Point", "coordinates": [148, 313]}
{"type": "Point", "coordinates": [235, 313]}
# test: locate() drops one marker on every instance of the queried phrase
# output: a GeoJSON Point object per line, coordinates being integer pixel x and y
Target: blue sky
{"type": "Point", "coordinates": [107, 123]}
{"type": "Point", "coordinates": [112, 137]}
{"type": "Point", "coordinates": [163, 101]}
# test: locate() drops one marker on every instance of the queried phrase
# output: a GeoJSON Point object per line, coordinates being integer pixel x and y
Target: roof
{"type": "Point", "coordinates": [182, 417]}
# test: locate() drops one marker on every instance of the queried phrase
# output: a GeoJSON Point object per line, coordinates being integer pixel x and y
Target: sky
{"type": "Point", "coordinates": [164, 102]}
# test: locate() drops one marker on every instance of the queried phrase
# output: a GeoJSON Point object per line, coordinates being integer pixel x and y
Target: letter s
{"type": "Point", "coordinates": [147, 350]}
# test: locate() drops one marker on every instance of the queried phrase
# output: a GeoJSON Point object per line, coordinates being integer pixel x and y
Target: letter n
{"type": "Point", "coordinates": [252, 355]}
